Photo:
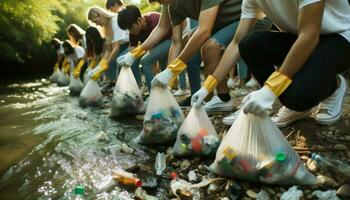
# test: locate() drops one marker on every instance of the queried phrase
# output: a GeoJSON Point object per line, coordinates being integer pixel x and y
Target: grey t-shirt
{"type": "Point", "coordinates": [229, 10]}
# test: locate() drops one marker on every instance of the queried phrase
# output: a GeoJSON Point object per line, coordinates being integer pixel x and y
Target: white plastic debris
{"type": "Point", "coordinates": [262, 195]}
{"type": "Point", "coordinates": [102, 137]}
{"type": "Point", "coordinates": [292, 194]}
{"type": "Point", "coordinates": [127, 149]}
{"type": "Point", "coordinates": [192, 176]}
{"type": "Point", "coordinates": [326, 195]}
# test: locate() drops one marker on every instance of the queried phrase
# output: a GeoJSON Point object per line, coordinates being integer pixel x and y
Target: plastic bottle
{"type": "Point", "coordinates": [272, 170]}
{"type": "Point", "coordinates": [79, 192]}
{"type": "Point", "coordinates": [160, 163]}
{"type": "Point", "coordinates": [325, 162]}
{"type": "Point", "coordinates": [126, 178]}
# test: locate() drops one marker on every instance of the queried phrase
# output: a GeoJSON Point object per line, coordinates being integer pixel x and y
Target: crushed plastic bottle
{"type": "Point", "coordinates": [79, 192]}
{"type": "Point", "coordinates": [160, 163]}
{"type": "Point", "coordinates": [126, 178]}
{"type": "Point", "coordinates": [325, 163]}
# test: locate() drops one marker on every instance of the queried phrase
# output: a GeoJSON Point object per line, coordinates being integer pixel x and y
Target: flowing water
{"type": "Point", "coordinates": [48, 145]}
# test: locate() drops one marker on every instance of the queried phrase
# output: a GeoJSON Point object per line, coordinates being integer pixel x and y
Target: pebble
{"type": "Point", "coordinates": [185, 165]}
{"type": "Point", "coordinates": [127, 149]}
{"type": "Point", "coordinates": [262, 195]}
{"type": "Point", "coordinates": [311, 165]}
{"type": "Point", "coordinates": [169, 150]}
{"type": "Point", "coordinates": [347, 138]}
{"type": "Point", "coordinates": [102, 137]}
{"type": "Point", "coordinates": [326, 181]}
{"type": "Point", "coordinates": [304, 158]}
{"type": "Point", "coordinates": [139, 117]}
{"type": "Point", "coordinates": [348, 154]}
{"type": "Point", "coordinates": [344, 191]}
{"type": "Point", "coordinates": [251, 194]}
{"type": "Point", "coordinates": [340, 147]}
{"type": "Point", "coordinates": [224, 198]}
{"type": "Point", "coordinates": [271, 191]}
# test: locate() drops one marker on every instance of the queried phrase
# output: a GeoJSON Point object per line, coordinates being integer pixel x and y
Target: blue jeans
{"type": "Point", "coordinates": [113, 68]}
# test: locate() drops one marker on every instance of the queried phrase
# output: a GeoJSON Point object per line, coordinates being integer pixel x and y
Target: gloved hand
{"type": "Point", "coordinates": [129, 58]}
{"type": "Point", "coordinates": [92, 64]}
{"type": "Point", "coordinates": [209, 85]}
{"type": "Point", "coordinates": [56, 66]}
{"type": "Point", "coordinates": [77, 68]}
{"type": "Point", "coordinates": [260, 102]}
{"type": "Point", "coordinates": [66, 66]}
{"type": "Point", "coordinates": [97, 71]}
{"type": "Point", "coordinates": [174, 68]}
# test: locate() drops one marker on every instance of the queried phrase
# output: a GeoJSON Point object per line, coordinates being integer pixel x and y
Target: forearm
{"type": "Point", "coordinates": [174, 51]}
{"type": "Point", "coordinates": [298, 55]}
{"type": "Point", "coordinates": [112, 52]}
{"type": "Point", "coordinates": [157, 35]}
{"type": "Point", "coordinates": [194, 44]}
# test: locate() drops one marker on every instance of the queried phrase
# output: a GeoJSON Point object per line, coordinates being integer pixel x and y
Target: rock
{"type": "Point", "coordinates": [348, 154]}
{"type": "Point", "coordinates": [127, 149]}
{"type": "Point", "coordinates": [224, 198]}
{"type": "Point", "coordinates": [344, 191]}
{"type": "Point", "coordinates": [102, 137]}
{"type": "Point", "coordinates": [347, 138]}
{"type": "Point", "coordinates": [250, 193]}
{"type": "Point", "coordinates": [82, 115]}
{"type": "Point", "coordinates": [311, 164]}
{"type": "Point", "coordinates": [192, 176]}
{"type": "Point", "coordinates": [326, 181]}
{"type": "Point", "coordinates": [271, 191]}
{"type": "Point", "coordinates": [245, 185]}
{"type": "Point", "coordinates": [340, 147]}
{"type": "Point", "coordinates": [133, 169]}
{"type": "Point", "coordinates": [139, 117]}
{"type": "Point", "coordinates": [185, 165]}
{"type": "Point", "coordinates": [169, 150]}
{"type": "Point", "coordinates": [304, 158]}
{"type": "Point", "coordinates": [262, 195]}
{"type": "Point", "coordinates": [330, 133]}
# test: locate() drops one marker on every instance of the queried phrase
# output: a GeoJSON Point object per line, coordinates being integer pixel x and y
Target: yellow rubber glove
{"type": "Point", "coordinates": [138, 52]}
{"type": "Point", "coordinates": [56, 66]}
{"type": "Point", "coordinates": [93, 63]}
{"type": "Point", "coordinates": [66, 66]}
{"type": "Point", "coordinates": [177, 66]}
{"type": "Point", "coordinates": [278, 83]}
{"type": "Point", "coordinates": [77, 68]}
{"type": "Point", "coordinates": [210, 83]}
{"type": "Point", "coordinates": [102, 67]}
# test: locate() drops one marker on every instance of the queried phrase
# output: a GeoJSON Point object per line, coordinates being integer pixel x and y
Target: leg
{"type": "Point", "coordinates": [193, 72]}
{"type": "Point", "coordinates": [158, 53]}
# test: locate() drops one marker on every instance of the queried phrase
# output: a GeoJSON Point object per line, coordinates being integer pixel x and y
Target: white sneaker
{"type": "Point", "coordinates": [329, 110]}
{"type": "Point", "coordinates": [231, 83]}
{"type": "Point", "coordinates": [180, 92]}
{"type": "Point", "coordinates": [231, 118]}
{"type": "Point", "coordinates": [286, 116]}
{"type": "Point", "coordinates": [252, 83]}
{"type": "Point", "coordinates": [216, 104]}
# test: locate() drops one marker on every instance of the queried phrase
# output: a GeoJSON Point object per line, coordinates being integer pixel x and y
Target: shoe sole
{"type": "Point", "coordinates": [331, 121]}
{"type": "Point", "coordinates": [299, 117]}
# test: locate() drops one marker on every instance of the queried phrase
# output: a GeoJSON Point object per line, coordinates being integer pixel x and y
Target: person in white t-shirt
{"type": "Point", "coordinates": [57, 45]}
{"type": "Point", "coordinates": [309, 52]}
{"type": "Point", "coordinates": [75, 55]}
{"type": "Point", "coordinates": [114, 39]}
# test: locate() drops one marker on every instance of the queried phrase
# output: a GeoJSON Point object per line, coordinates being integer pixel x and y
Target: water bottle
{"type": "Point", "coordinates": [160, 163]}
{"type": "Point", "coordinates": [325, 162]}
{"type": "Point", "coordinates": [79, 192]}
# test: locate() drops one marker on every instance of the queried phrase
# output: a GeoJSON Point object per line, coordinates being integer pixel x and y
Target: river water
{"type": "Point", "coordinates": [48, 145]}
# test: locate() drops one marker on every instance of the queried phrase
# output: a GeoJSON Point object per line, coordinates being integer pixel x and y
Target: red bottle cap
{"type": "Point", "coordinates": [173, 175]}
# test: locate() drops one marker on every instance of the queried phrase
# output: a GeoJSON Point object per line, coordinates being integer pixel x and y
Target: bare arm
{"type": "Point", "coordinates": [111, 51]}
{"type": "Point", "coordinates": [177, 43]}
{"type": "Point", "coordinates": [310, 20]}
{"type": "Point", "coordinates": [231, 54]}
{"type": "Point", "coordinates": [205, 25]}
{"type": "Point", "coordinates": [159, 32]}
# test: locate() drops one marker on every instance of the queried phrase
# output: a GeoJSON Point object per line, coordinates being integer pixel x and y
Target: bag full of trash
{"type": "Point", "coordinates": [55, 75]}
{"type": "Point", "coordinates": [75, 86]}
{"type": "Point", "coordinates": [91, 95]}
{"type": "Point", "coordinates": [63, 79]}
{"type": "Point", "coordinates": [127, 96]}
{"type": "Point", "coordinates": [197, 135]}
{"type": "Point", "coordinates": [163, 118]}
{"type": "Point", "coordinates": [255, 149]}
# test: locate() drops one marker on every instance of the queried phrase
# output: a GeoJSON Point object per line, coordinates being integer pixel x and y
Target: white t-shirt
{"type": "Point", "coordinates": [83, 42]}
{"type": "Point", "coordinates": [79, 52]}
{"type": "Point", "coordinates": [284, 14]}
{"type": "Point", "coordinates": [116, 34]}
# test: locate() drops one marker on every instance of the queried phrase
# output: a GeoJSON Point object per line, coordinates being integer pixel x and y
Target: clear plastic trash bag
{"type": "Point", "coordinates": [163, 118]}
{"type": "Point", "coordinates": [197, 135]}
{"type": "Point", "coordinates": [91, 95]}
{"type": "Point", "coordinates": [55, 75]}
{"type": "Point", "coordinates": [75, 86]}
{"type": "Point", "coordinates": [86, 77]}
{"type": "Point", "coordinates": [127, 96]}
{"type": "Point", "coordinates": [63, 79]}
{"type": "Point", "coordinates": [255, 149]}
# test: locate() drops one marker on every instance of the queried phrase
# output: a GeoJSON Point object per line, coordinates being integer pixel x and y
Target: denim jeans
{"type": "Point", "coordinates": [113, 68]}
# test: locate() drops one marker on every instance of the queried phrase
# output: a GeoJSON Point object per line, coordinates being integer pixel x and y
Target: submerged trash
{"type": "Point", "coordinates": [91, 95]}
{"type": "Point", "coordinates": [79, 192]}
{"type": "Point", "coordinates": [55, 75]}
{"type": "Point", "coordinates": [327, 163]}
{"type": "Point", "coordinates": [63, 79]}
{"type": "Point", "coordinates": [127, 97]}
{"type": "Point", "coordinates": [160, 163]}
{"type": "Point", "coordinates": [197, 135]}
{"type": "Point", "coordinates": [255, 149]}
{"type": "Point", "coordinates": [126, 178]}
{"type": "Point", "coordinates": [292, 194]}
{"type": "Point", "coordinates": [326, 195]}
{"type": "Point", "coordinates": [75, 86]}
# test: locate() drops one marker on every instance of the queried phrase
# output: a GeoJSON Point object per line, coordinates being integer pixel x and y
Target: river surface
{"type": "Point", "coordinates": [48, 145]}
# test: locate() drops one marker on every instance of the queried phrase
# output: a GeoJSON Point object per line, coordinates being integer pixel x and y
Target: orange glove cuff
{"type": "Point", "coordinates": [278, 82]}
{"type": "Point", "coordinates": [177, 66]}
{"type": "Point", "coordinates": [210, 83]}
{"type": "Point", "coordinates": [138, 51]}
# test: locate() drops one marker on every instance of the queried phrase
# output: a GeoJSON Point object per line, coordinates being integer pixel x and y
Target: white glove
{"type": "Point", "coordinates": [126, 59]}
{"type": "Point", "coordinates": [162, 79]}
{"type": "Point", "coordinates": [198, 97]}
{"type": "Point", "coordinates": [92, 72]}
{"type": "Point", "coordinates": [259, 102]}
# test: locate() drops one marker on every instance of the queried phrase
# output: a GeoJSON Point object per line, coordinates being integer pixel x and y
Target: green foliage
{"type": "Point", "coordinates": [27, 26]}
